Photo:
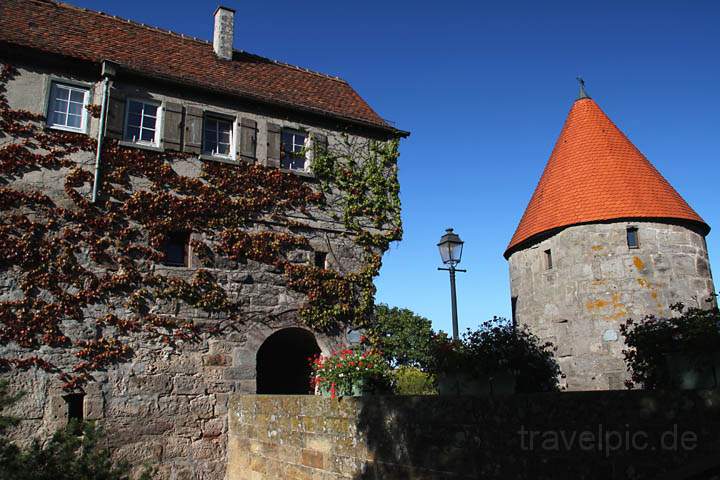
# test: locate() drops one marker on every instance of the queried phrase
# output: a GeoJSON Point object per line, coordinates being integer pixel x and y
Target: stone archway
{"type": "Point", "coordinates": [282, 362]}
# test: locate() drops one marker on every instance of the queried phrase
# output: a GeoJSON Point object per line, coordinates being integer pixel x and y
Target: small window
{"type": "Point", "coordinates": [142, 122]}
{"type": "Point", "coordinates": [74, 402]}
{"type": "Point", "coordinates": [217, 137]}
{"type": "Point", "coordinates": [177, 249]}
{"type": "Point", "coordinates": [548, 260]}
{"type": "Point", "coordinates": [321, 259]}
{"type": "Point", "coordinates": [66, 108]}
{"type": "Point", "coordinates": [291, 154]}
{"type": "Point", "coordinates": [513, 307]}
{"type": "Point", "coordinates": [632, 237]}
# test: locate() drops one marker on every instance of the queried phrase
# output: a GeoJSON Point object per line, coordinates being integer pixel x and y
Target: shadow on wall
{"type": "Point", "coordinates": [580, 435]}
{"type": "Point", "coordinates": [282, 362]}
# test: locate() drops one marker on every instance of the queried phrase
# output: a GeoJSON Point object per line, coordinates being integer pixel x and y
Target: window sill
{"type": "Point", "coordinates": [217, 158]}
{"type": "Point", "coordinates": [299, 173]}
{"type": "Point", "coordinates": [82, 131]}
{"type": "Point", "coordinates": [173, 267]}
{"type": "Point", "coordinates": [141, 146]}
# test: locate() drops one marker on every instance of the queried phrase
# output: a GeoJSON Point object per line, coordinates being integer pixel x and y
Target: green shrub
{"type": "Point", "coordinates": [495, 347]}
{"type": "Point", "coordinates": [413, 381]}
{"type": "Point", "coordinates": [73, 453]}
{"type": "Point", "coordinates": [694, 334]}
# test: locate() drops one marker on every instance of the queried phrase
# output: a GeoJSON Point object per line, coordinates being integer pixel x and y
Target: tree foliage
{"type": "Point", "coordinates": [403, 336]}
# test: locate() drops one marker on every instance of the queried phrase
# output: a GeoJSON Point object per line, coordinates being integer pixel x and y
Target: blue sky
{"type": "Point", "coordinates": [484, 87]}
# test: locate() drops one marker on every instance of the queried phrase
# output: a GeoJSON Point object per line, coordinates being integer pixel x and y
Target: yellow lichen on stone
{"type": "Point", "coordinates": [617, 315]}
{"type": "Point", "coordinates": [597, 304]}
{"type": "Point", "coordinates": [639, 264]}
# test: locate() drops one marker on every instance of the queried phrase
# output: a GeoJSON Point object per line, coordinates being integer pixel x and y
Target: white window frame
{"type": "Point", "coordinates": [158, 121]}
{"type": "Point", "coordinates": [218, 117]}
{"type": "Point", "coordinates": [51, 103]}
{"type": "Point", "coordinates": [295, 132]}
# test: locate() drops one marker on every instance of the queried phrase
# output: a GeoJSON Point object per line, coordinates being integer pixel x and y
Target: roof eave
{"type": "Point", "coordinates": [261, 99]}
{"type": "Point", "coordinates": [230, 92]}
{"type": "Point", "coordinates": [702, 228]}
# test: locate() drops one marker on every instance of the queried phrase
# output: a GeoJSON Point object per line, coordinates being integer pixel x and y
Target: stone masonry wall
{"type": "Point", "coordinates": [596, 282]}
{"type": "Point", "coordinates": [169, 407]}
{"type": "Point", "coordinates": [578, 435]}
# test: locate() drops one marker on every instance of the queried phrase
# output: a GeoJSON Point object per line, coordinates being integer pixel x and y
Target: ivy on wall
{"type": "Point", "coordinates": [82, 277]}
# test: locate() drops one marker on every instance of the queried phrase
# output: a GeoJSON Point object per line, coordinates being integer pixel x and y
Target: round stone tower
{"type": "Point", "coordinates": [604, 238]}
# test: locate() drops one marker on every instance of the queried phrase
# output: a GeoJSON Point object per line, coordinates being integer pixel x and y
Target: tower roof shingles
{"type": "Point", "coordinates": [596, 174]}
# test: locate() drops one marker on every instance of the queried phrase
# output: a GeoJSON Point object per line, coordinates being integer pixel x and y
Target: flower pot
{"type": "Point", "coordinates": [500, 383]}
{"type": "Point", "coordinates": [689, 372]}
{"type": "Point", "coordinates": [357, 389]}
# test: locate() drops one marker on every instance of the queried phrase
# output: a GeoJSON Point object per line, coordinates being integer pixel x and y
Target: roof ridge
{"type": "Point", "coordinates": [195, 39]}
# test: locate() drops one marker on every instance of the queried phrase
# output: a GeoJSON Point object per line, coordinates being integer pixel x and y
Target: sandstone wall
{"type": "Point", "coordinates": [596, 282]}
{"type": "Point", "coordinates": [168, 407]}
{"type": "Point", "coordinates": [576, 435]}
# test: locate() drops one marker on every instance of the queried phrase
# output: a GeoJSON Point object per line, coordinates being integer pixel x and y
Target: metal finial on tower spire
{"type": "Point", "coordinates": [583, 93]}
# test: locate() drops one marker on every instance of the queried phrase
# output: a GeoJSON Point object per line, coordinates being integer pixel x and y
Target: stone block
{"type": "Point", "coordinates": [312, 458]}
{"type": "Point", "coordinates": [216, 360]}
{"type": "Point", "coordinates": [149, 384]}
{"type": "Point", "coordinates": [188, 385]}
{"type": "Point", "coordinates": [213, 428]}
{"type": "Point", "coordinates": [202, 406]}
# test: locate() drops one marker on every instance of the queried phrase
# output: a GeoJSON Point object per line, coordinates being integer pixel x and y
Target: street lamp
{"type": "Point", "coordinates": [451, 248]}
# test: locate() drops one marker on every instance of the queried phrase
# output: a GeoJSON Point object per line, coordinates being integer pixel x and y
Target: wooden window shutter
{"type": "Point", "coordinates": [192, 139]}
{"type": "Point", "coordinates": [115, 121]}
{"type": "Point", "coordinates": [273, 144]}
{"type": "Point", "coordinates": [319, 143]}
{"type": "Point", "coordinates": [172, 125]}
{"type": "Point", "coordinates": [247, 140]}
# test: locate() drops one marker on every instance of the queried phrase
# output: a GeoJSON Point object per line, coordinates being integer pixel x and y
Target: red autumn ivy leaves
{"type": "Point", "coordinates": [71, 266]}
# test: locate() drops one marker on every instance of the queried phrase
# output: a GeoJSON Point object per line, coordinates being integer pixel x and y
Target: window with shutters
{"type": "Point", "coordinates": [218, 137]}
{"type": "Point", "coordinates": [292, 156]}
{"type": "Point", "coordinates": [66, 108]}
{"type": "Point", "coordinates": [142, 122]}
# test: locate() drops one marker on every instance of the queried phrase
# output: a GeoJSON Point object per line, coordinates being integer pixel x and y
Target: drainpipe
{"type": "Point", "coordinates": [108, 71]}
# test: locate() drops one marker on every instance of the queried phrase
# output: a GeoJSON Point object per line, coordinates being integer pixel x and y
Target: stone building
{"type": "Point", "coordinates": [604, 238]}
{"type": "Point", "coordinates": [169, 108]}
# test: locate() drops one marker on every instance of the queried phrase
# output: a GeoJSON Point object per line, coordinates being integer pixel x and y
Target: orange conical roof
{"type": "Point", "coordinates": [596, 174]}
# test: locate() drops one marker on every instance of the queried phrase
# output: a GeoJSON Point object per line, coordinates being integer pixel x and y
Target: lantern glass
{"type": "Point", "coordinates": [450, 247]}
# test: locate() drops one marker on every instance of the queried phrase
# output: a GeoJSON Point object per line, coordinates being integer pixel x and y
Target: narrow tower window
{"type": "Point", "coordinates": [632, 237]}
{"type": "Point", "coordinates": [177, 249]}
{"type": "Point", "coordinates": [548, 259]}
{"type": "Point", "coordinates": [74, 403]}
{"type": "Point", "coordinates": [321, 259]}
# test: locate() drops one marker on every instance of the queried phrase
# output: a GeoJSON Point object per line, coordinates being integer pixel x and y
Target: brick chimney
{"type": "Point", "coordinates": [223, 33]}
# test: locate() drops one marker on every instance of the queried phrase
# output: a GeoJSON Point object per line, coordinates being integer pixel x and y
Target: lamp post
{"type": "Point", "coordinates": [451, 248]}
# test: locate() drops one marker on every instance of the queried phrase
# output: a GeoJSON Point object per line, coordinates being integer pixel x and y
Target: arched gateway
{"type": "Point", "coordinates": [282, 362]}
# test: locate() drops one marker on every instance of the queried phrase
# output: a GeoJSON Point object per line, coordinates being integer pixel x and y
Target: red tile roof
{"type": "Point", "coordinates": [92, 36]}
{"type": "Point", "coordinates": [596, 174]}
